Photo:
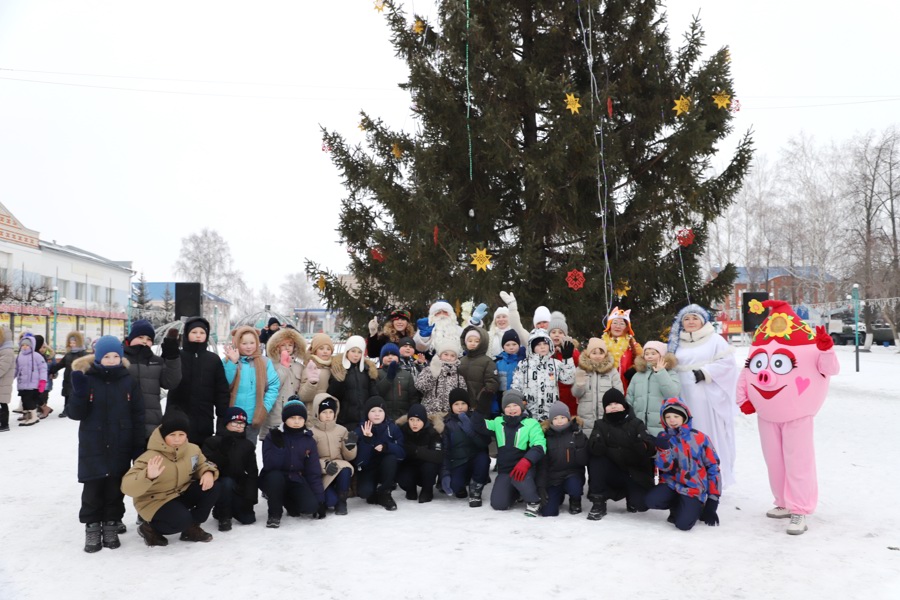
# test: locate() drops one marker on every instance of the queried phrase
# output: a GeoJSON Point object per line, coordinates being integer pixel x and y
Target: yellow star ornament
{"type": "Point", "coordinates": [419, 27]}
{"type": "Point", "coordinates": [379, 5]}
{"type": "Point", "coordinates": [321, 283]}
{"type": "Point", "coordinates": [682, 105]}
{"type": "Point", "coordinates": [396, 150]}
{"type": "Point", "coordinates": [722, 100]}
{"type": "Point", "coordinates": [572, 103]}
{"type": "Point", "coordinates": [622, 289]}
{"type": "Point", "coordinates": [481, 259]}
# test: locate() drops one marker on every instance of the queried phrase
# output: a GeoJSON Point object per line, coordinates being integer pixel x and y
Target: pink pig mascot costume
{"type": "Point", "coordinates": [785, 382]}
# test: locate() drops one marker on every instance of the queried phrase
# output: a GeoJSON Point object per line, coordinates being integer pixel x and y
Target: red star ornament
{"type": "Point", "coordinates": [575, 279]}
{"type": "Point", "coordinates": [685, 237]}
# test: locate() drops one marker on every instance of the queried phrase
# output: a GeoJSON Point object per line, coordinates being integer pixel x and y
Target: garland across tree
{"type": "Point", "coordinates": [590, 142]}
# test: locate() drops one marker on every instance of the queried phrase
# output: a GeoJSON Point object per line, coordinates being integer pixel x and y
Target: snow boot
{"type": "Point", "coordinates": [273, 522]}
{"type": "Point", "coordinates": [598, 510]}
{"type": "Point", "coordinates": [224, 524]}
{"type": "Point", "coordinates": [63, 414]}
{"type": "Point", "coordinates": [92, 538]}
{"type": "Point", "coordinates": [120, 527]}
{"type": "Point", "coordinates": [45, 411]}
{"type": "Point", "coordinates": [475, 490]}
{"type": "Point", "coordinates": [4, 428]}
{"type": "Point", "coordinates": [574, 506]}
{"type": "Point", "coordinates": [341, 507]}
{"type": "Point", "coordinates": [797, 525]}
{"type": "Point", "coordinates": [151, 537]}
{"type": "Point", "coordinates": [426, 495]}
{"type": "Point", "coordinates": [110, 535]}
{"type": "Point", "coordinates": [195, 533]}
{"type": "Point", "coordinates": [779, 512]}
{"type": "Point", "coordinates": [532, 509]}
{"type": "Point", "coordinates": [30, 418]}
{"type": "Point", "coordinates": [411, 494]}
{"type": "Point", "coordinates": [385, 500]}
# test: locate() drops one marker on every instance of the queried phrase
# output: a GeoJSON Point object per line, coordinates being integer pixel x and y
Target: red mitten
{"type": "Point", "coordinates": [747, 408]}
{"type": "Point", "coordinates": [285, 359]}
{"type": "Point", "coordinates": [823, 340]}
{"type": "Point", "coordinates": [520, 470]}
{"type": "Point", "coordinates": [42, 385]}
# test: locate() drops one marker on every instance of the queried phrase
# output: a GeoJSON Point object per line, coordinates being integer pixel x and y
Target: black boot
{"type": "Point", "coordinates": [598, 510]}
{"type": "Point", "coordinates": [426, 495]}
{"type": "Point", "coordinates": [92, 537]}
{"type": "Point", "coordinates": [151, 537]}
{"type": "Point", "coordinates": [475, 490]}
{"type": "Point", "coordinates": [574, 506]}
{"type": "Point", "coordinates": [385, 500]}
{"type": "Point", "coordinates": [120, 527]}
{"type": "Point", "coordinates": [110, 535]}
{"type": "Point", "coordinates": [411, 494]}
{"type": "Point", "coordinates": [341, 507]}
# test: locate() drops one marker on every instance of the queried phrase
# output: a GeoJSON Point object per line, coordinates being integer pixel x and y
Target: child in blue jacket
{"type": "Point", "coordinates": [507, 361]}
{"type": "Point", "coordinates": [379, 453]}
{"type": "Point", "coordinates": [291, 476]}
{"type": "Point", "coordinates": [253, 380]}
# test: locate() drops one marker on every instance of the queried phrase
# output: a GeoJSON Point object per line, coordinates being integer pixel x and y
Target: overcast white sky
{"type": "Point", "coordinates": [127, 174]}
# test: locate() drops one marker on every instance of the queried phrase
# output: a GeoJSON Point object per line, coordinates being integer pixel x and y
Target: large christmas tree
{"type": "Point", "coordinates": [558, 136]}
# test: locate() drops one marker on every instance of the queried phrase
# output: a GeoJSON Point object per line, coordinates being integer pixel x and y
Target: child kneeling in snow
{"type": "Point", "coordinates": [337, 449]}
{"type": "Point", "coordinates": [520, 445]}
{"type": "Point", "coordinates": [380, 453]}
{"type": "Point", "coordinates": [173, 485]}
{"type": "Point", "coordinates": [291, 476]}
{"type": "Point", "coordinates": [235, 456]}
{"type": "Point", "coordinates": [688, 470]}
{"type": "Point", "coordinates": [424, 453]}
{"type": "Point", "coordinates": [561, 473]}
{"type": "Point", "coordinates": [466, 460]}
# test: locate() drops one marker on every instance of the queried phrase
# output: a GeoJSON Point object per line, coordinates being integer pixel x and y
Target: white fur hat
{"type": "Point", "coordinates": [501, 310]}
{"type": "Point", "coordinates": [354, 341]}
{"type": "Point", "coordinates": [438, 307]}
{"type": "Point", "coordinates": [541, 313]}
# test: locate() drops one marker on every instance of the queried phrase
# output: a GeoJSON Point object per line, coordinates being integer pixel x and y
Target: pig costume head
{"type": "Point", "coordinates": [786, 375]}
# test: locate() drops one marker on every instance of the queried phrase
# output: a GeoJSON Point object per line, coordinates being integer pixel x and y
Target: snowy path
{"type": "Point", "coordinates": [445, 549]}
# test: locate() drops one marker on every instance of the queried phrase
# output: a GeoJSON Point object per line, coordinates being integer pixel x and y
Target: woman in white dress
{"type": "Point", "coordinates": [708, 372]}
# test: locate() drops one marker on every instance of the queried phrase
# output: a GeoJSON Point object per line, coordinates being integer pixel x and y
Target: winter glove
{"type": "Point", "coordinates": [699, 377]}
{"type": "Point", "coordinates": [331, 468]}
{"type": "Point", "coordinates": [823, 340]}
{"type": "Point", "coordinates": [312, 372]}
{"type": "Point", "coordinates": [580, 377]}
{"type": "Point", "coordinates": [323, 510]}
{"type": "Point", "coordinates": [42, 385]}
{"type": "Point", "coordinates": [373, 327]}
{"type": "Point", "coordinates": [424, 328]}
{"type": "Point", "coordinates": [747, 408]}
{"type": "Point", "coordinates": [465, 423]}
{"type": "Point", "coordinates": [350, 440]}
{"type": "Point", "coordinates": [709, 515]}
{"type": "Point", "coordinates": [509, 300]}
{"type": "Point", "coordinates": [478, 316]}
{"type": "Point", "coordinates": [392, 370]}
{"type": "Point", "coordinates": [663, 441]}
{"type": "Point", "coordinates": [445, 485]}
{"type": "Point", "coordinates": [520, 470]}
{"type": "Point", "coordinates": [169, 346]}
{"type": "Point", "coordinates": [277, 437]}
{"type": "Point", "coordinates": [80, 383]}
{"type": "Point", "coordinates": [567, 349]}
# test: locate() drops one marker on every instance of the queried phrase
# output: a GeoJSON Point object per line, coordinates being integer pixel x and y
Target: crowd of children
{"type": "Point", "coordinates": [420, 408]}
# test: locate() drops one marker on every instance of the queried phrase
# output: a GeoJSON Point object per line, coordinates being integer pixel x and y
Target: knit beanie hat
{"type": "Point", "coordinates": [512, 397]}
{"type": "Point", "coordinates": [354, 341]}
{"type": "Point", "coordinates": [174, 420]}
{"type": "Point", "coordinates": [407, 341]}
{"type": "Point", "coordinates": [446, 344]}
{"type": "Point", "coordinates": [659, 347]}
{"type": "Point", "coordinates": [27, 340]}
{"type": "Point", "coordinates": [141, 327]}
{"type": "Point", "coordinates": [401, 314]}
{"type": "Point", "coordinates": [559, 409]}
{"type": "Point", "coordinates": [541, 314]}
{"type": "Point", "coordinates": [676, 409]}
{"type": "Point", "coordinates": [558, 321]}
{"type": "Point", "coordinates": [501, 310]}
{"type": "Point", "coordinates": [38, 342]}
{"type": "Point", "coordinates": [613, 396]}
{"type": "Point", "coordinates": [235, 414]}
{"type": "Point", "coordinates": [293, 408]}
{"type": "Point", "coordinates": [273, 321]}
{"type": "Point", "coordinates": [374, 402]}
{"type": "Point", "coordinates": [329, 402]}
{"type": "Point", "coordinates": [510, 335]}
{"type": "Point", "coordinates": [105, 345]}
{"type": "Point", "coordinates": [390, 348]}
{"type": "Point", "coordinates": [194, 323]}
{"type": "Point", "coordinates": [319, 340]}
{"type": "Point", "coordinates": [418, 411]}
{"type": "Point", "coordinates": [595, 343]}
{"type": "Point", "coordinates": [473, 333]}
{"type": "Point", "coordinates": [458, 395]}
{"type": "Point", "coordinates": [540, 339]}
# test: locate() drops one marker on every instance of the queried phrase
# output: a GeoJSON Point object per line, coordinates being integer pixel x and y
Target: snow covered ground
{"type": "Point", "coordinates": [447, 550]}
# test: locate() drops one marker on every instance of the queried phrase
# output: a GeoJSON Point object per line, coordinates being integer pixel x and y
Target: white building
{"type": "Point", "coordinates": [50, 289]}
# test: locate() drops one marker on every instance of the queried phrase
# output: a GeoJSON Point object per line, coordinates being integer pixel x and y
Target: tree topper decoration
{"type": "Point", "coordinates": [481, 259]}
{"type": "Point", "coordinates": [575, 279]}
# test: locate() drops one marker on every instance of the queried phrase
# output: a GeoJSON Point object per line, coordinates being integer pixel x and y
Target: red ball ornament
{"type": "Point", "coordinates": [575, 279]}
{"type": "Point", "coordinates": [685, 237]}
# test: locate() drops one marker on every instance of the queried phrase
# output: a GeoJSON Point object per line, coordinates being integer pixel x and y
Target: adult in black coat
{"type": "Point", "coordinates": [108, 402]}
{"type": "Point", "coordinates": [203, 393]}
{"type": "Point", "coordinates": [235, 456]}
{"type": "Point", "coordinates": [621, 462]}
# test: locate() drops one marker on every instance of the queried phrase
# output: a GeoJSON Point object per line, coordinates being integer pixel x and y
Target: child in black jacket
{"type": "Point", "coordinates": [561, 473]}
{"type": "Point", "coordinates": [466, 460]}
{"type": "Point", "coordinates": [235, 456]}
{"type": "Point", "coordinates": [621, 461]}
{"type": "Point", "coordinates": [424, 453]}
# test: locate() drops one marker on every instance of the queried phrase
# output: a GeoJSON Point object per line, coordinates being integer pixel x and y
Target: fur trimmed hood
{"type": "Point", "coordinates": [339, 373]}
{"type": "Point", "coordinates": [84, 363]}
{"type": "Point", "coordinates": [640, 363]}
{"type": "Point", "coordinates": [285, 334]}
{"type": "Point", "coordinates": [545, 424]}
{"type": "Point", "coordinates": [75, 335]}
{"type": "Point", "coordinates": [436, 421]}
{"type": "Point", "coordinates": [586, 364]}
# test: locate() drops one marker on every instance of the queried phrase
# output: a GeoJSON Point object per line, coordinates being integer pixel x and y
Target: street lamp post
{"type": "Point", "coordinates": [215, 335]}
{"type": "Point", "coordinates": [55, 302]}
{"type": "Point", "coordinates": [855, 295]}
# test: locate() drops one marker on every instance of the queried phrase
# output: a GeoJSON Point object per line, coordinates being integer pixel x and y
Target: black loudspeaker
{"type": "Point", "coordinates": [751, 320]}
{"type": "Point", "coordinates": [187, 300]}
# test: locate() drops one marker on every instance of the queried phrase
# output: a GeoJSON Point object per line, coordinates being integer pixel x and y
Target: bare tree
{"type": "Point", "coordinates": [298, 291]}
{"type": "Point", "coordinates": [206, 257]}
